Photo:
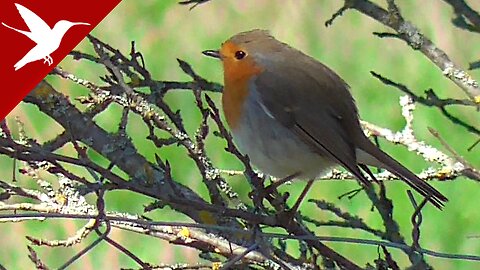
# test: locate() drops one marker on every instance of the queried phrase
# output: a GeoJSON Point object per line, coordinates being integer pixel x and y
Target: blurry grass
{"type": "Point", "coordinates": [164, 31]}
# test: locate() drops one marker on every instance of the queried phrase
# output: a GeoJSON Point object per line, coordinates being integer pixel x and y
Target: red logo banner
{"type": "Point", "coordinates": [36, 36]}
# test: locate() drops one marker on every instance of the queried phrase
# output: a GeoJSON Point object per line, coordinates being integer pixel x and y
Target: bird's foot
{"type": "Point", "coordinates": [48, 59]}
{"type": "Point", "coordinates": [286, 216]}
{"type": "Point", "coordinates": [274, 185]}
{"type": "Point", "coordinates": [272, 195]}
{"type": "Point", "coordinates": [289, 215]}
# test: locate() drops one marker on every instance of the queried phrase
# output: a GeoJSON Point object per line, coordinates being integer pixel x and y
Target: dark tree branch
{"type": "Point", "coordinates": [465, 12]}
{"type": "Point", "coordinates": [432, 100]}
{"type": "Point", "coordinates": [413, 37]}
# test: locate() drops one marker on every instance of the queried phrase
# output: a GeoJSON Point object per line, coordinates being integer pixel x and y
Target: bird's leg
{"type": "Point", "coordinates": [299, 201]}
{"type": "Point", "coordinates": [269, 189]}
{"type": "Point", "coordinates": [271, 194]}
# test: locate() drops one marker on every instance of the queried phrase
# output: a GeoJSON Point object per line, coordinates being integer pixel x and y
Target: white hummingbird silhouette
{"type": "Point", "coordinates": [47, 39]}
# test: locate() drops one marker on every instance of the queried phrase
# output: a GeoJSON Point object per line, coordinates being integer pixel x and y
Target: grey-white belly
{"type": "Point", "coordinates": [273, 148]}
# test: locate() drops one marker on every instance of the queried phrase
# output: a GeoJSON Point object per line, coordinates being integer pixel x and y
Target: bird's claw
{"type": "Point", "coordinates": [48, 59]}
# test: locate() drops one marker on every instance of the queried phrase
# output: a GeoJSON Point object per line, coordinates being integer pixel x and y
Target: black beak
{"type": "Point", "coordinates": [212, 53]}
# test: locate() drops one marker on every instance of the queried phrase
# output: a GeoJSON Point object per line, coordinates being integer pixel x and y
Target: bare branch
{"type": "Point", "coordinates": [410, 34]}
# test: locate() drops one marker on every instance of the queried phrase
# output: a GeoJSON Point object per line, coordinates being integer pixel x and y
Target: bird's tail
{"type": "Point", "coordinates": [8, 26]}
{"type": "Point", "coordinates": [380, 159]}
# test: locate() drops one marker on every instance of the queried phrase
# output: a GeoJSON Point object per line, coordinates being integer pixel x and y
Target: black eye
{"type": "Point", "coordinates": [239, 55]}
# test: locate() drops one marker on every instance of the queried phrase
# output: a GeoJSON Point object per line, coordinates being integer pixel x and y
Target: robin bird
{"type": "Point", "coordinates": [295, 117]}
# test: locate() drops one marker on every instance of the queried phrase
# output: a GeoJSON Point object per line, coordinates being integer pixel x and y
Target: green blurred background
{"type": "Point", "coordinates": [164, 31]}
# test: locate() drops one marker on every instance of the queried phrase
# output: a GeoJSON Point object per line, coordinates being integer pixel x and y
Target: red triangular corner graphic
{"type": "Point", "coordinates": [36, 36]}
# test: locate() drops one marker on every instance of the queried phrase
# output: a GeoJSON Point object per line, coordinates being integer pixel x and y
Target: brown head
{"type": "Point", "coordinates": [242, 56]}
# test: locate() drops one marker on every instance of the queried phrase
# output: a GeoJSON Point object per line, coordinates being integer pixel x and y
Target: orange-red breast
{"type": "Point", "coordinates": [292, 115]}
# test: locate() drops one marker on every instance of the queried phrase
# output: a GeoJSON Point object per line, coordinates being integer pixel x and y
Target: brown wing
{"type": "Point", "coordinates": [315, 104]}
